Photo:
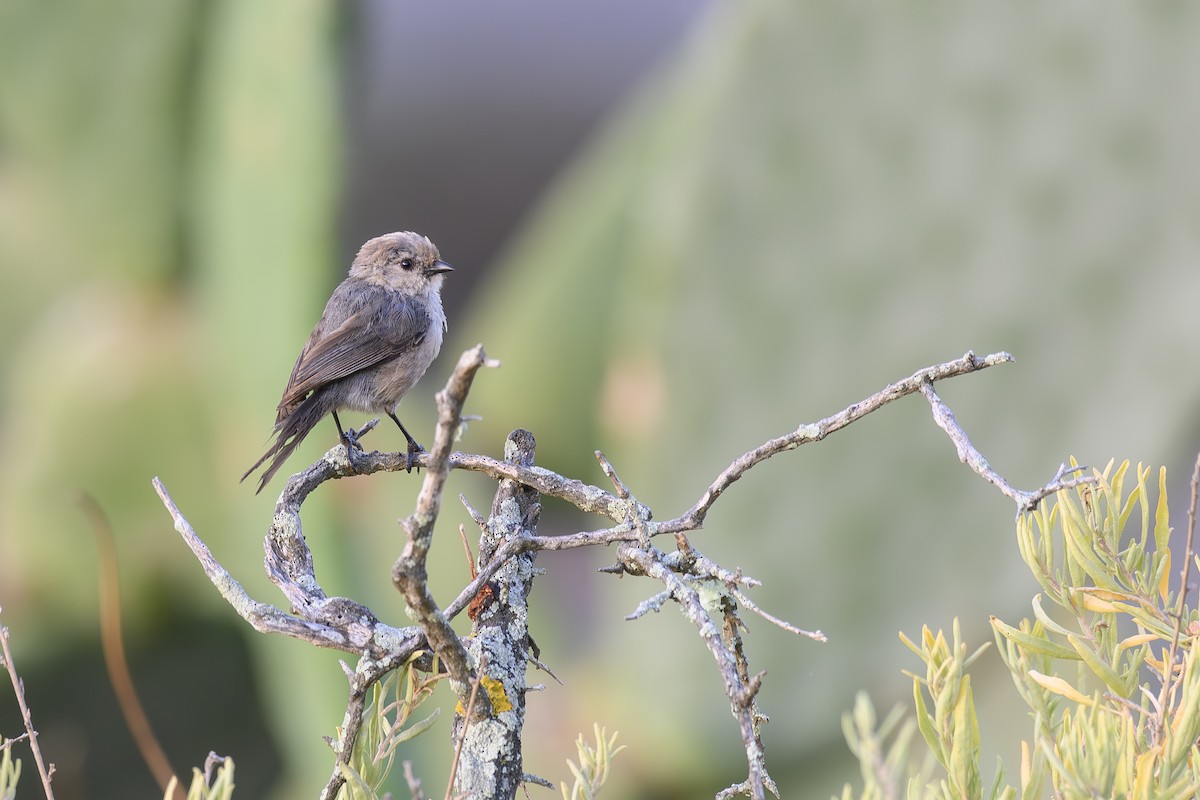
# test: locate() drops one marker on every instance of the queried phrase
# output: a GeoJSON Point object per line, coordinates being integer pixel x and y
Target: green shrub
{"type": "Point", "coordinates": [1107, 666]}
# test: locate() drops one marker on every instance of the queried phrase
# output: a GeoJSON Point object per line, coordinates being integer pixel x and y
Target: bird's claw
{"type": "Point", "coordinates": [350, 439]}
{"type": "Point", "coordinates": [410, 460]}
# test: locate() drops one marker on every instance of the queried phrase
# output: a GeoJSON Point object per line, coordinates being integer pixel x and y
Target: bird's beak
{"type": "Point", "coordinates": [438, 267]}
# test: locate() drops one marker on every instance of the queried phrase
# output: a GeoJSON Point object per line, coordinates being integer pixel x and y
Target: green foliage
{"type": "Point", "coordinates": [393, 701]}
{"type": "Point", "coordinates": [10, 771]}
{"type": "Point", "coordinates": [592, 770]}
{"type": "Point", "coordinates": [947, 722]}
{"type": "Point", "coordinates": [1108, 665]}
{"type": "Point", "coordinates": [883, 763]}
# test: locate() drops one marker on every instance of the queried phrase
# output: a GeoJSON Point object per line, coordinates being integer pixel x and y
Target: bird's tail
{"type": "Point", "coordinates": [289, 432]}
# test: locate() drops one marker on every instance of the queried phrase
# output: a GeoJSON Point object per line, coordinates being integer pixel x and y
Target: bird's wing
{"type": "Point", "coordinates": [386, 325]}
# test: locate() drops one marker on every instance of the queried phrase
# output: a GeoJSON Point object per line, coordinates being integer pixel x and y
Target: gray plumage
{"type": "Point", "coordinates": [380, 331]}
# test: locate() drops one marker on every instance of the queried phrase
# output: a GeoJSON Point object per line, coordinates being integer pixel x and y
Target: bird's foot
{"type": "Point", "coordinates": [411, 461]}
{"type": "Point", "coordinates": [350, 439]}
{"type": "Point", "coordinates": [357, 457]}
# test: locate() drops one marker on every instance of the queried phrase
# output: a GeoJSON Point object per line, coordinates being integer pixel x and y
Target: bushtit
{"type": "Point", "coordinates": [379, 332]}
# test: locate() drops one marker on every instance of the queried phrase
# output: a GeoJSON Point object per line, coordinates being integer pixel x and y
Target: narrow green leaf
{"type": "Point", "coordinates": [355, 786]}
{"type": "Point", "coordinates": [1033, 644]}
{"type": "Point", "coordinates": [1099, 667]}
{"type": "Point", "coordinates": [925, 725]}
{"type": "Point", "coordinates": [417, 728]}
{"type": "Point", "coordinates": [1071, 522]}
{"type": "Point", "coordinates": [1079, 541]}
{"type": "Point", "coordinates": [1046, 620]}
{"type": "Point", "coordinates": [1031, 788]}
{"type": "Point", "coordinates": [1143, 500]}
{"type": "Point", "coordinates": [1162, 523]}
{"type": "Point", "coordinates": [964, 747]}
{"type": "Point", "coordinates": [1185, 727]}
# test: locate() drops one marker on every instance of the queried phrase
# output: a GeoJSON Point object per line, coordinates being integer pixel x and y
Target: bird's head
{"type": "Point", "coordinates": [404, 262]}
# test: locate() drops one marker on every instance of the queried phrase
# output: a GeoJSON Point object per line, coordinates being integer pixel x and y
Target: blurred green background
{"type": "Point", "coordinates": [683, 230]}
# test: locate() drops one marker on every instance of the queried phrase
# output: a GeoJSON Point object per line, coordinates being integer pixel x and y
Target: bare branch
{"type": "Point", "coordinates": [44, 771]}
{"type": "Point", "coordinates": [615, 535]}
{"type": "Point", "coordinates": [584, 496]}
{"type": "Point", "coordinates": [6, 743]}
{"type": "Point", "coordinates": [413, 783]}
{"type": "Point", "coordinates": [787, 626]}
{"type": "Point", "coordinates": [507, 547]}
{"type": "Point", "coordinates": [815, 432]}
{"type": "Point", "coordinates": [340, 463]}
{"type": "Point", "coordinates": [1026, 501]}
{"type": "Point", "coordinates": [343, 747]}
{"type": "Point", "coordinates": [1171, 678]}
{"type": "Point", "coordinates": [649, 562]}
{"type": "Point", "coordinates": [636, 514]}
{"type": "Point", "coordinates": [1191, 538]}
{"type": "Point", "coordinates": [654, 604]}
{"type": "Point", "coordinates": [476, 517]}
{"type": "Point", "coordinates": [333, 623]}
{"type": "Point", "coordinates": [408, 573]}
{"type": "Point", "coordinates": [975, 459]}
{"type": "Point", "coordinates": [607, 468]}
{"type": "Point", "coordinates": [529, 777]}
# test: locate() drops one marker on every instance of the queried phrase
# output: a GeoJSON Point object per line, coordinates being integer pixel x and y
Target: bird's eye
{"type": "Point", "coordinates": [406, 264]}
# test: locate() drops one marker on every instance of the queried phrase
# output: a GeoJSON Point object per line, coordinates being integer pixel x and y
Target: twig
{"type": "Point", "coordinates": [6, 743]}
{"type": "Point", "coordinates": [26, 718]}
{"type": "Point", "coordinates": [476, 517]}
{"type": "Point", "coordinates": [343, 748]}
{"type": "Point", "coordinates": [816, 636]}
{"type": "Point", "coordinates": [740, 694]}
{"type": "Point", "coordinates": [336, 464]}
{"type": "Point", "coordinates": [1026, 501]}
{"type": "Point", "coordinates": [337, 629]}
{"type": "Point", "coordinates": [413, 783]}
{"type": "Point", "coordinates": [732, 638]}
{"type": "Point", "coordinates": [636, 514]}
{"type": "Point", "coordinates": [1168, 685]}
{"type": "Point", "coordinates": [409, 573]}
{"type": "Point", "coordinates": [1191, 538]}
{"type": "Point", "coordinates": [654, 604]}
{"type": "Point", "coordinates": [815, 432]}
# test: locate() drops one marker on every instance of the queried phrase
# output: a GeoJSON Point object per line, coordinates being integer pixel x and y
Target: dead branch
{"type": "Point", "coordinates": [504, 578]}
{"type": "Point", "coordinates": [408, 573]}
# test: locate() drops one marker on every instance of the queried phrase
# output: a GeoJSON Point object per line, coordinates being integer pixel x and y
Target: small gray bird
{"type": "Point", "coordinates": [379, 332]}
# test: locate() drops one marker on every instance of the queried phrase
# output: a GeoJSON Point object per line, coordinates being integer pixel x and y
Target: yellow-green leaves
{"type": "Point", "coordinates": [1106, 725]}
{"type": "Point", "coordinates": [1107, 663]}
{"type": "Point", "coordinates": [591, 772]}
{"type": "Point", "coordinates": [883, 750]}
{"type": "Point", "coordinates": [220, 788]}
{"type": "Point", "coordinates": [10, 770]}
{"type": "Point", "coordinates": [1032, 639]}
{"type": "Point", "coordinates": [949, 725]}
{"type": "Point", "coordinates": [385, 727]}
